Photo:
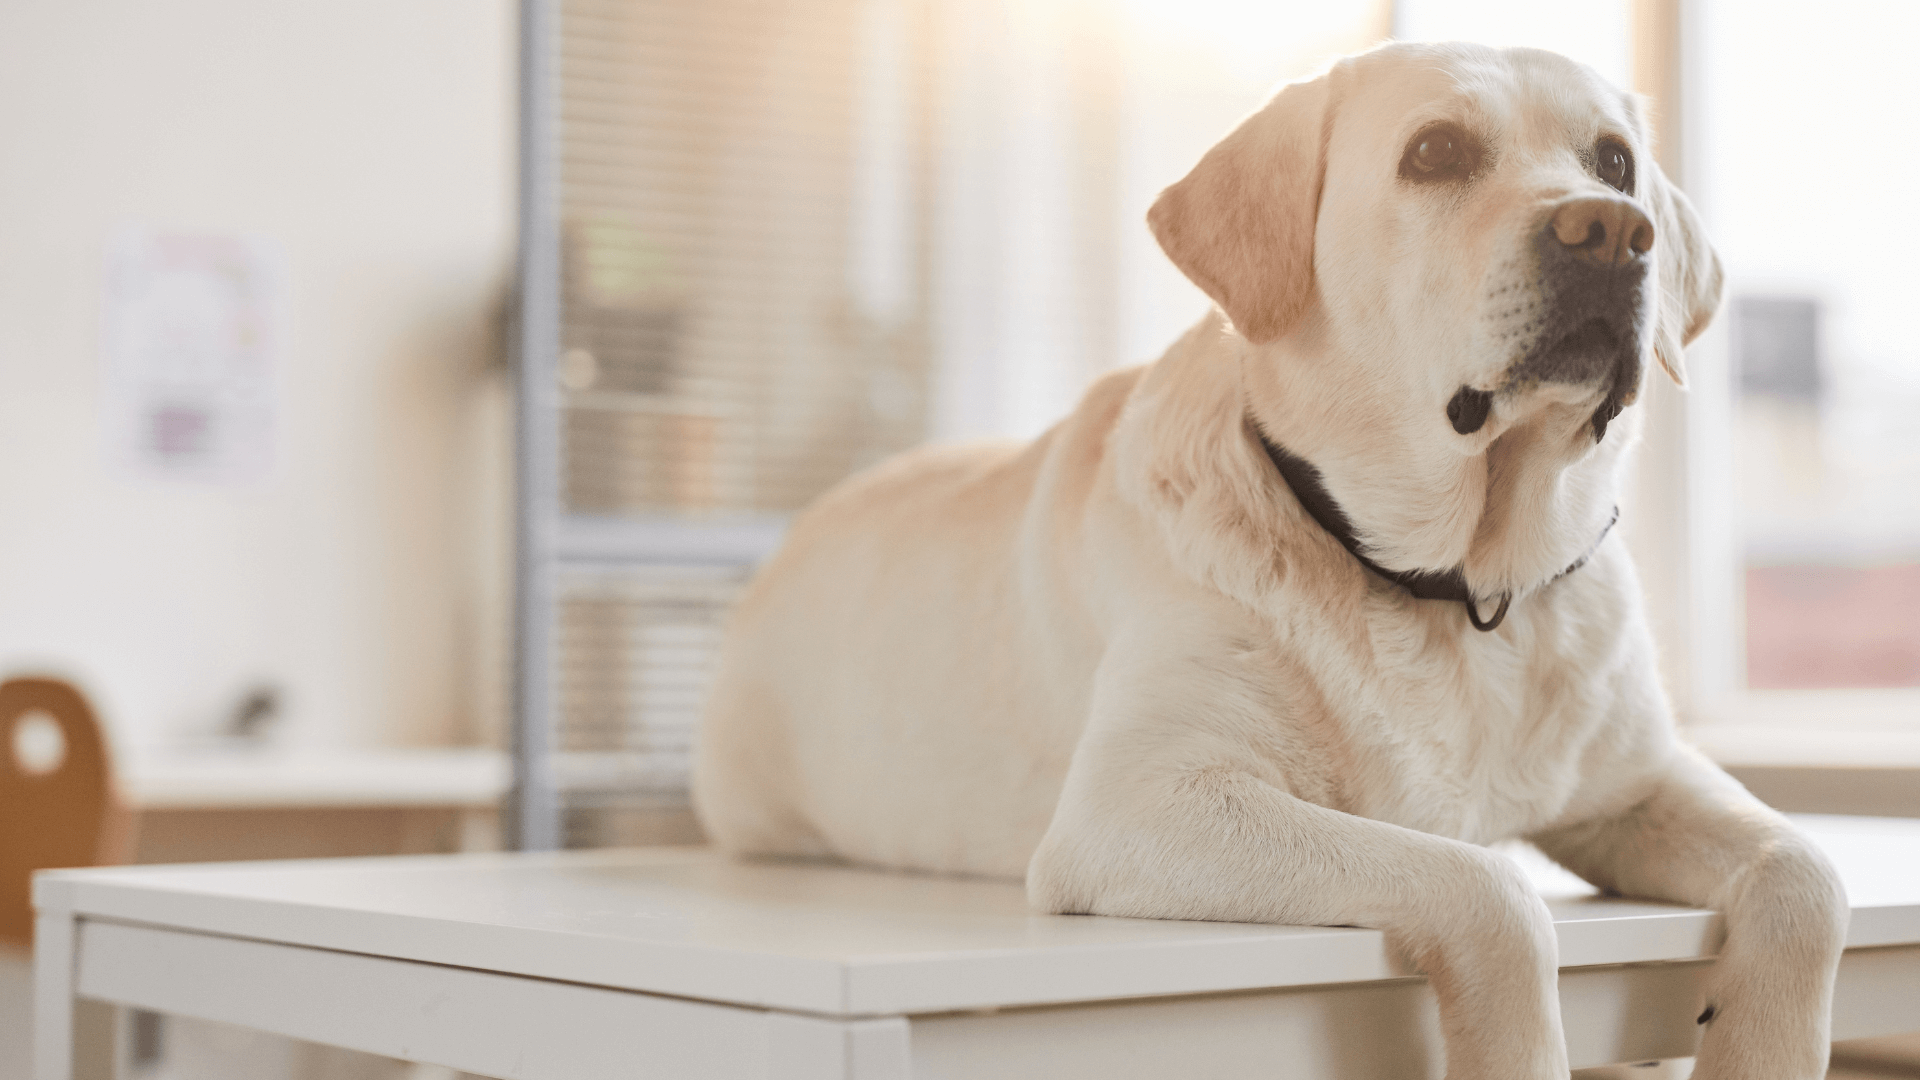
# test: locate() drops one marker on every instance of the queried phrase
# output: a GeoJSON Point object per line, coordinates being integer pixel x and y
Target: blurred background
{"type": "Point", "coordinates": [366, 528]}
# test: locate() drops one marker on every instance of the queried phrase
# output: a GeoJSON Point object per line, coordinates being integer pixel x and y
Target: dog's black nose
{"type": "Point", "coordinates": [1595, 267]}
{"type": "Point", "coordinates": [1468, 409]}
{"type": "Point", "coordinates": [1602, 230]}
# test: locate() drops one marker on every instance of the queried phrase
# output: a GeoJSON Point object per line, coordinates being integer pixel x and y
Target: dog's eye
{"type": "Point", "coordinates": [1440, 152]}
{"type": "Point", "coordinates": [1614, 164]}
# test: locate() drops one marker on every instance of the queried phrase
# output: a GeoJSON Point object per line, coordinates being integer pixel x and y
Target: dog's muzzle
{"type": "Point", "coordinates": [1594, 262]}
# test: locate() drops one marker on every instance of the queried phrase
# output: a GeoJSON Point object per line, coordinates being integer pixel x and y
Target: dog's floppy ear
{"type": "Point", "coordinates": [1690, 278]}
{"type": "Point", "coordinates": [1240, 225]}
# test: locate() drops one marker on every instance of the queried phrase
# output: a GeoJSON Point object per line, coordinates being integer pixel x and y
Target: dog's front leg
{"type": "Point", "coordinates": [1176, 807]}
{"type": "Point", "coordinates": [1701, 839]}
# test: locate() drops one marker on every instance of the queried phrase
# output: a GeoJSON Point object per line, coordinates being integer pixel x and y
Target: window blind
{"type": "Point", "coordinates": [741, 187]}
{"type": "Point", "coordinates": [637, 651]}
{"type": "Point", "coordinates": [727, 170]}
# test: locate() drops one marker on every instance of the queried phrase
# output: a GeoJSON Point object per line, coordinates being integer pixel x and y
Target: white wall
{"type": "Point", "coordinates": [372, 141]}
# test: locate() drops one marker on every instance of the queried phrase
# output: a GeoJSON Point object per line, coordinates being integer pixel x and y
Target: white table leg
{"type": "Point", "coordinates": [53, 963]}
{"type": "Point", "coordinates": [73, 1039]}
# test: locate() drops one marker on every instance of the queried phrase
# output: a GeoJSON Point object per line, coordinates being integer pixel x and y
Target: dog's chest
{"type": "Point", "coordinates": [1477, 738]}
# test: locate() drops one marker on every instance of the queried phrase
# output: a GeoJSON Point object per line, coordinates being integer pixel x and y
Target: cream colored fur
{"type": "Point", "coordinates": [1121, 661]}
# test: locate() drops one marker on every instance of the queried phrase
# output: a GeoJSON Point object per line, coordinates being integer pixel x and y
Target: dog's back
{"type": "Point", "coordinates": [897, 620]}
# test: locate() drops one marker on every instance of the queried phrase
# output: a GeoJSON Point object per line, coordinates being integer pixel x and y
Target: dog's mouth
{"type": "Point", "coordinates": [1593, 351]}
{"type": "Point", "coordinates": [1588, 352]}
{"type": "Point", "coordinates": [1578, 356]}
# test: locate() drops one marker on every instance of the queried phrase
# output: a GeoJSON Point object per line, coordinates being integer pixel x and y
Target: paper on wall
{"type": "Point", "coordinates": [190, 336]}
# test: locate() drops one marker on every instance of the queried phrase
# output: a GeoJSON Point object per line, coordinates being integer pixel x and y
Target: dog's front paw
{"type": "Point", "coordinates": [1744, 1040]}
{"type": "Point", "coordinates": [1766, 1016]}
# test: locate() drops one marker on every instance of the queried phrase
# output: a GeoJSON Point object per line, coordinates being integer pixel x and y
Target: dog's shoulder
{"type": "Point", "coordinates": [1186, 464]}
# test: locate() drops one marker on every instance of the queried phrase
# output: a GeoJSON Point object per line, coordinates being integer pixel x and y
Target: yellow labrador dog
{"type": "Point", "coordinates": [1285, 626]}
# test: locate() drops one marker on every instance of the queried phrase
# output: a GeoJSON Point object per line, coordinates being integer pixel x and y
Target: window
{"type": "Point", "coordinates": [1803, 176]}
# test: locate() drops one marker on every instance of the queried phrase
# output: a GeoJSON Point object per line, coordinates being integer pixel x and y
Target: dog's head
{"type": "Point", "coordinates": [1451, 266]}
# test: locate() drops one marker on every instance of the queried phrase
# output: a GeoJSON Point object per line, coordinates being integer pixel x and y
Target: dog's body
{"type": "Point", "coordinates": [1127, 661]}
{"type": "Point", "coordinates": [995, 623]}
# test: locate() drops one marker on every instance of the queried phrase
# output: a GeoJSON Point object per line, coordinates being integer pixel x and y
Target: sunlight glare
{"type": "Point", "coordinates": [1256, 41]}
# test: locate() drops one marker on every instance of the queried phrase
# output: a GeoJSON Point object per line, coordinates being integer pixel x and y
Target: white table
{"type": "Point", "coordinates": [672, 962]}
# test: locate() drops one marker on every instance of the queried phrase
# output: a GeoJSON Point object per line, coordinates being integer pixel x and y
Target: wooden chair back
{"type": "Point", "coordinates": [58, 805]}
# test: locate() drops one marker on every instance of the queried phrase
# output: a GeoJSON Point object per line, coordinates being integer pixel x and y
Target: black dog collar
{"type": "Point", "coordinates": [1304, 479]}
